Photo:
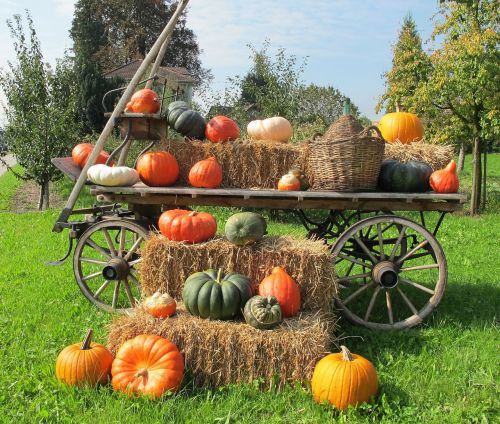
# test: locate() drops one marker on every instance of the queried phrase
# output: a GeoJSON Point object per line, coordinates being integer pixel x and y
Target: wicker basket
{"type": "Point", "coordinates": [349, 164]}
{"type": "Point", "coordinates": [344, 127]}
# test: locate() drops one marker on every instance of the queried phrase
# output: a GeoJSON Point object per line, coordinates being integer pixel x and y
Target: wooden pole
{"type": "Point", "coordinates": [127, 94]}
{"type": "Point", "coordinates": [159, 59]}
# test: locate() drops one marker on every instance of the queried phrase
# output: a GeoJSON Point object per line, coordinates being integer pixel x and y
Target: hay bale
{"type": "Point", "coordinates": [225, 352]}
{"type": "Point", "coordinates": [436, 155]}
{"type": "Point", "coordinates": [166, 265]}
{"type": "Point", "coordinates": [245, 164]}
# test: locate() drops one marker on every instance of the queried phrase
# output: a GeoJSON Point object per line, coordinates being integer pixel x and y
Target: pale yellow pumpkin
{"type": "Point", "coordinates": [275, 129]}
{"type": "Point", "coordinates": [112, 175]}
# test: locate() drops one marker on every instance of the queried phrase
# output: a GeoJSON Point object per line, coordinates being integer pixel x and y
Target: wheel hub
{"type": "Point", "coordinates": [385, 274]}
{"type": "Point", "coordinates": [116, 269]}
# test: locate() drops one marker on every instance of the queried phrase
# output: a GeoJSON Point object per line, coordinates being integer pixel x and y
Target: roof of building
{"type": "Point", "coordinates": [127, 71]}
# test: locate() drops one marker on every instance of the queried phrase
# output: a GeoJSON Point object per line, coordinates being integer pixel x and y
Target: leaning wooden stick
{"type": "Point", "coordinates": [159, 59]}
{"type": "Point", "coordinates": [127, 94]}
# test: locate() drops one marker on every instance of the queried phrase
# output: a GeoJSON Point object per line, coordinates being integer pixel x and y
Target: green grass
{"type": "Point", "coordinates": [444, 371]}
{"type": "Point", "coordinates": [8, 185]}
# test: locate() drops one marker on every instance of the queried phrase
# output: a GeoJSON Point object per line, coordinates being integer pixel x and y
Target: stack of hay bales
{"type": "Point", "coordinates": [225, 352]}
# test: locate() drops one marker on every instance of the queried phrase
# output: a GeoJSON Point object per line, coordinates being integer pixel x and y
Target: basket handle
{"type": "Point", "coordinates": [367, 130]}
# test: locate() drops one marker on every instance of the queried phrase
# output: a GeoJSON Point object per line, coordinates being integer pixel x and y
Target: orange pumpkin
{"type": "Point", "coordinates": [182, 225]}
{"type": "Point", "coordinates": [87, 363]}
{"type": "Point", "coordinates": [222, 128]}
{"type": "Point", "coordinates": [445, 180]}
{"type": "Point", "coordinates": [401, 126]}
{"type": "Point", "coordinates": [206, 174]}
{"type": "Point", "coordinates": [147, 364]}
{"type": "Point", "coordinates": [158, 169]}
{"type": "Point", "coordinates": [82, 151]}
{"type": "Point", "coordinates": [160, 305]}
{"type": "Point", "coordinates": [283, 287]}
{"type": "Point", "coordinates": [289, 182]}
{"type": "Point", "coordinates": [144, 101]}
{"type": "Point", "coordinates": [344, 379]}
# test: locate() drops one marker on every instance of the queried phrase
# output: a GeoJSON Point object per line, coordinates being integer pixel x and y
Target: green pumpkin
{"type": "Point", "coordinates": [404, 177]}
{"type": "Point", "coordinates": [245, 228]}
{"type": "Point", "coordinates": [262, 312]}
{"type": "Point", "coordinates": [216, 295]}
{"type": "Point", "coordinates": [186, 121]}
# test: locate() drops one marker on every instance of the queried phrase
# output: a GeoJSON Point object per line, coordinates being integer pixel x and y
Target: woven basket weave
{"type": "Point", "coordinates": [348, 164]}
{"type": "Point", "coordinates": [344, 127]}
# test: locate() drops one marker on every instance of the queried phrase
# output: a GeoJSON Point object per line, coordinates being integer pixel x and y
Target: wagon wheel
{"type": "Point", "coordinates": [391, 271]}
{"type": "Point", "coordinates": [105, 264]}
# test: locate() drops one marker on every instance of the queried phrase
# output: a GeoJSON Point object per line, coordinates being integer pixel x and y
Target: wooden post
{"type": "Point", "coordinates": [159, 59]}
{"type": "Point", "coordinates": [127, 94]}
{"type": "Point", "coordinates": [476, 177]}
{"type": "Point", "coordinates": [461, 157]}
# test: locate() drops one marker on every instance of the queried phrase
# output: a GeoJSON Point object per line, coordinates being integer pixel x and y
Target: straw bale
{"type": "Point", "coordinates": [226, 352]}
{"type": "Point", "coordinates": [166, 265]}
{"type": "Point", "coordinates": [245, 164]}
{"type": "Point", "coordinates": [436, 155]}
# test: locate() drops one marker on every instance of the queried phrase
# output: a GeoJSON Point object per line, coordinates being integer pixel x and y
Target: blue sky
{"type": "Point", "coordinates": [347, 43]}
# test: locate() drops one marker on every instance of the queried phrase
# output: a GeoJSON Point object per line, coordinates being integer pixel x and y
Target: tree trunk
{"type": "Point", "coordinates": [483, 196]}
{"type": "Point", "coordinates": [461, 157]}
{"type": "Point", "coordinates": [43, 200]}
{"type": "Point", "coordinates": [476, 178]}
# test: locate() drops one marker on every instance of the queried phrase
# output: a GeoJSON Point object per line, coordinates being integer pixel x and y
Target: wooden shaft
{"type": "Point", "coordinates": [159, 58]}
{"type": "Point", "coordinates": [127, 94]}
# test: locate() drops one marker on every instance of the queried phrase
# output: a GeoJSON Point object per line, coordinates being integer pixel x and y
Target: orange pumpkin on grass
{"type": "Point", "coordinates": [190, 226]}
{"type": "Point", "coordinates": [206, 174]}
{"type": "Point", "coordinates": [149, 365]}
{"type": "Point", "coordinates": [284, 288]}
{"type": "Point", "coordinates": [158, 169]}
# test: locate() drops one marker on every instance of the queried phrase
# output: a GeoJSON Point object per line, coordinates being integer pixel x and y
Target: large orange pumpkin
{"type": "Point", "coordinates": [344, 379]}
{"type": "Point", "coordinates": [206, 173]}
{"type": "Point", "coordinates": [284, 288]}
{"type": "Point", "coordinates": [84, 363]}
{"type": "Point", "coordinates": [82, 151]}
{"type": "Point", "coordinates": [144, 101]}
{"type": "Point", "coordinates": [445, 180]}
{"type": "Point", "coordinates": [147, 364]}
{"type": "Point", "coordinates": [158, 169]}
{"type": "Point", "coordinates": [222, 128]}
{"type": "Point", "coordinates": [401, 126]}
{"type": "Point", "coordinates": [182, 225]}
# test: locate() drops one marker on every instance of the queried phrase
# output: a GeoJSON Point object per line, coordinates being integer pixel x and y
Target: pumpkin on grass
{"type": "Point", "coordinates": [215, 294]}
{"type": "Point", "coordinates": [289, 182]}
{"type": "Point", "coordinates": [158, 169]}
{"type": "Point", "coordinates": [445, 180]}
{"type": "Point", "coordinates": [190, 226]}
{"type": "Point", "coordinates": [401, 126]}
{"type": "Point", "coordinates": [112, 176]}
{"type": "Point", "coordinates": [160, 305]}
{"type": "Point", "coordinates": [149, 365]}
{"type": "Point", "coordinates": [86, 363]}
{"type": "Point", "coordinates": [284, 288]}
{"type": "Point", "coordinates": [144, 101]}
{"type": "Point", "coordinates": [245, 228]}
{"type": "Point", "coordinates": [221, 128]}
{"type": "Point", "coordinates": [404, 177]}
{"type": "Point", "coordinates": [344, 379]}
{"type": "Point", "coordinates": [275, 129]}
{"type": "Point", "coordinates": [206, 174]}
{"type": "Point", "coordinates": [263, 312]}
{"type": "Point", "coordinates": [82, 151]}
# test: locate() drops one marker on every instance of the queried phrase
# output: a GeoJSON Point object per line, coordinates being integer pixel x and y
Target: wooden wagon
{"type": "Point", "coordinates": [391, 270]}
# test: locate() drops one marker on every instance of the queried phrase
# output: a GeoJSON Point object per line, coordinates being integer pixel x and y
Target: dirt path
{"type": "Point", "coordinates": [26, 198]}
{"type": "Point", "coordinates": [11, 160]}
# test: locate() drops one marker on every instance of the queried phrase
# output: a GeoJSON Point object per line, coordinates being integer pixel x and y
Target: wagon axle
{"type": "Point", "coordinates": [116, 269]}
{"type": "Point", "coordinates": [385, 274]}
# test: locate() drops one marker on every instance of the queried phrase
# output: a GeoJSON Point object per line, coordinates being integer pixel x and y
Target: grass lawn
{"type": "Point", "coordinates": [443, 371]}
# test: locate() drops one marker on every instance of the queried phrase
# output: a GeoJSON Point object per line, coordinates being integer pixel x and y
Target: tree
{"type": "Point", "coordinates": [87, 32]}
{"type": "Point", "coordinates": [410, 68]}
{"type": "Point", "coordinates": [462, 95]}
{"type": "Point", "coordinates": [40, 108]}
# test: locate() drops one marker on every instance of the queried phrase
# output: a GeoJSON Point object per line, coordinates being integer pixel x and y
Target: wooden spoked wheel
{"type": "Point", "coordinates": [391, 272]}
{"type": "Point", "coordinates": [105, 264]}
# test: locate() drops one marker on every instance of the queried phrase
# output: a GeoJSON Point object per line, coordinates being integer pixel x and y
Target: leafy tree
{"type": "Point", "coordinates": [88, 34]}
{"type": "Point", "coordinates": [462, 95]}
{"type": "Point", "coordinates": [410, 68]}
{"type": "Point", "coordinates": [40, 108]}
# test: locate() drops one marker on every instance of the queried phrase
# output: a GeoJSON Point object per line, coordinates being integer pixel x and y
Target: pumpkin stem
{"type": "Point", "coordinates": [346, 354]}
{"type": "Point", "coordinates": [141, 373]}
{"type": "Point", "coordinates": [193, 213]}
{"type": "Point", "coordinates": [219, 273]}
{"type": "Point", "coordinates": [398, 106]}
{"type": "Point", "coordinates": [347, 107]}
{"type": "Point", "coordinates": [88, 339]}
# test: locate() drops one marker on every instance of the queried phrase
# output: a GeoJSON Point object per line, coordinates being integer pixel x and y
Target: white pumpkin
{"type": "Point", "coordinates": [276, 129]}
{"type": "Point", "coordinates": [112, 175]}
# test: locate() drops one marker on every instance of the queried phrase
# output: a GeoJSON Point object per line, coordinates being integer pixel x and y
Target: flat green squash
{"type": "Point", "coordinates": [404, 177]}
{"type": "Point", "coordinates": [245, 228]}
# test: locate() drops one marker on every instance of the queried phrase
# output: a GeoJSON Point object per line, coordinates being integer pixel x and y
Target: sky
{"type": "Point", "coordinates": [347, 44]}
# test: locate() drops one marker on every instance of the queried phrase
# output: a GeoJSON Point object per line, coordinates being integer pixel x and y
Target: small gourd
{"type": "Point", "coordinates": [289, 182]}
{"type": "Point", "coordinates": [160, 305]}
{"type": "Point", "coordinates": [262, 312]}
{"type": "Point", "coordinates": [445, 180]}
{"type": "Point", "coordinates": [299, 174]}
